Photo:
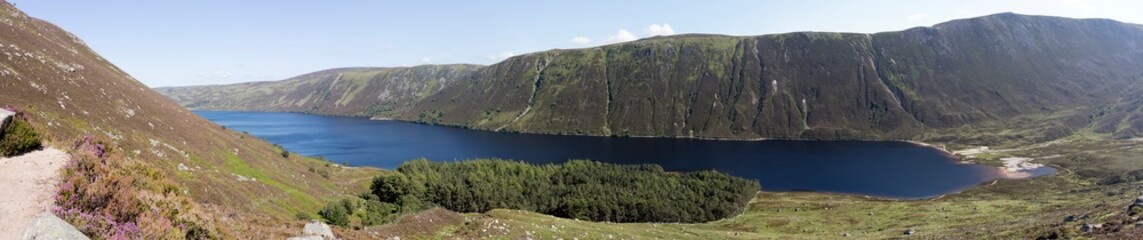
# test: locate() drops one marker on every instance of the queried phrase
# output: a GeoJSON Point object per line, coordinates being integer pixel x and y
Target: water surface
{"type": "Point", "coordinates": [888, 169]}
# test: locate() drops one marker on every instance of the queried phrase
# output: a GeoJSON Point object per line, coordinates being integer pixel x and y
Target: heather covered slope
{"type": "Point", "coordinates": [69, 91]}
{"type": "Point", "coordinates": [965, 79]}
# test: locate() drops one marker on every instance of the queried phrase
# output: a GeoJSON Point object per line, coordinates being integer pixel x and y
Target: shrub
{"type": "Point", "coordinates": [335, 213]}
{"type": "Point", "coordinates": [302, 216]}
{"type": "Point", "coordinates": [377, 212]}
{"type": "Point", "coordinates": [324, 173]}
{"type": "Point", "coordinates": [282, 151]}
{"type": "Point", "coordinates": [358, 212]}
{"type": "Point", "coordinates": [108, 197]}
{"type": "Point", "coordinates": [18, 138]}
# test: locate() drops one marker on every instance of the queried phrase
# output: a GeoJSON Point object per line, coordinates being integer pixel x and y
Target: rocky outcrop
{"type": "Point", "coordinates": [46, 226]}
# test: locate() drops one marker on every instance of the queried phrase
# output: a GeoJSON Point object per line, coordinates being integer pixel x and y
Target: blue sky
{"type": "Point", "coordinates": [169, 43]}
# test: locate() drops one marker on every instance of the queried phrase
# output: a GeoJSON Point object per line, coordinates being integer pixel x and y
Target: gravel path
{"type": "Point", "coordinates": [27, 184]}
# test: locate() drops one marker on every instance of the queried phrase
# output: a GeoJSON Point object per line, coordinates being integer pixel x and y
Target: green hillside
{"type": "Point", "coordinates": [1040, 77]}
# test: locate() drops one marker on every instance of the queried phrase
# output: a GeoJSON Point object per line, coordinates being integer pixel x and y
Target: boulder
{"type": "Point", "coordinates": [1091, 227]}
{"type": "Point", "coordinates": [315, 231]}
{"type": "Point", "coordinates": [307, 237]}
{"type": "Point", "coordinates": [47, 226]}
{"type": "Point", "coordinates": [5, 118]}
{"type": "Point", "coordinates": [1136, 207]}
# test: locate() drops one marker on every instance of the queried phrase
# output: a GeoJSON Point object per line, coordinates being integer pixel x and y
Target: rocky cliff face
{"type": "Point", "coordinates": [1003, 71]}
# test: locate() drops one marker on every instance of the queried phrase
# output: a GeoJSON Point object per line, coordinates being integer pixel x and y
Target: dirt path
{"type": "Point", "coordinates": [27, 184]}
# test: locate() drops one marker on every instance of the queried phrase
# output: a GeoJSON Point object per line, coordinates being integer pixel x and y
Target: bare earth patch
{"type": "Point", "coordinates": [27, 184]}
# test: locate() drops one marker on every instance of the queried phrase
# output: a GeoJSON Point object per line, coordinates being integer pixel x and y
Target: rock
{"type": "Point", "coordinates": [845, 235]}
{"type": "Point", "coordinates": [1091, 227]}
{"type": "Point", "coordinates": [318, 228]}
{"type": "Point", "coordinates": [910, 231]}
{"type": "Point", "coordinates": [1136, 207]}
{"type": "Point", "coordinates": [5, 118]}
{"type": "Point", "coordinates": [1070, 218]}
{"type": "Point", "coordinates": [315, 231]}
{"type": "Point", "coordinates": [307, 237]}
{"type": "Point", "coordinates": [47, 226]}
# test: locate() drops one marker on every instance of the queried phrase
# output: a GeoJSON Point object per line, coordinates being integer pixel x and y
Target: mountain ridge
{"type": "Point", "coordinates": [915, 84]}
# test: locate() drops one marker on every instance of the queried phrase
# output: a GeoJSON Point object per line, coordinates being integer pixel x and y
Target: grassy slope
{"type": "Point", "coordinates": [69, 91]}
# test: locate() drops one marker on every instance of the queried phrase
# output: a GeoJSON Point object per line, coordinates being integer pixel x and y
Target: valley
{"type": "Point", "coordinates": [970, 109]}
{"type": "Point", "coordinates": [1052, 104]}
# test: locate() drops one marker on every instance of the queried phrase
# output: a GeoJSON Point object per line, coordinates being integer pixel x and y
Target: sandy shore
{"type": "Point", "coordinates": [1014, 167]}
{"type": "Point", "coordinates": [1019, 167]}
{"type": "Point", "coordinates": [28, 183]}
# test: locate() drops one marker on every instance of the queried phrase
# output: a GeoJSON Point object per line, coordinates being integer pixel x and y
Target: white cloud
{"type": "Point", "coordinates": [499, 56]}
{"type": "Point", "coordinates": [659, 30]}
{"type": "Point", "coordinates": [426, 60]}
{"type": "Point", "coordinates": [581, 40]}
{"type": "Point", "coordinates": [918, 16]}
{"type": "Point", "coordinates": [622, 36]}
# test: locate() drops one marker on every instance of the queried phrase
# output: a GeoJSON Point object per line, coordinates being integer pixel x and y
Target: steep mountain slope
{"type": "Point", "coordinates": [1004, 71]}
{"type": "Point", "coordinates": [69, 91]}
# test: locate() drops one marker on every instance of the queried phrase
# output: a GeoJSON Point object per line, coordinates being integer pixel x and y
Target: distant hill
{"type": "Point", "coordinates": [960, 80]}
{"type": "Point", "coordinates": [342, 91]}
{"type": "Point", "coordinates": [69, 92]}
